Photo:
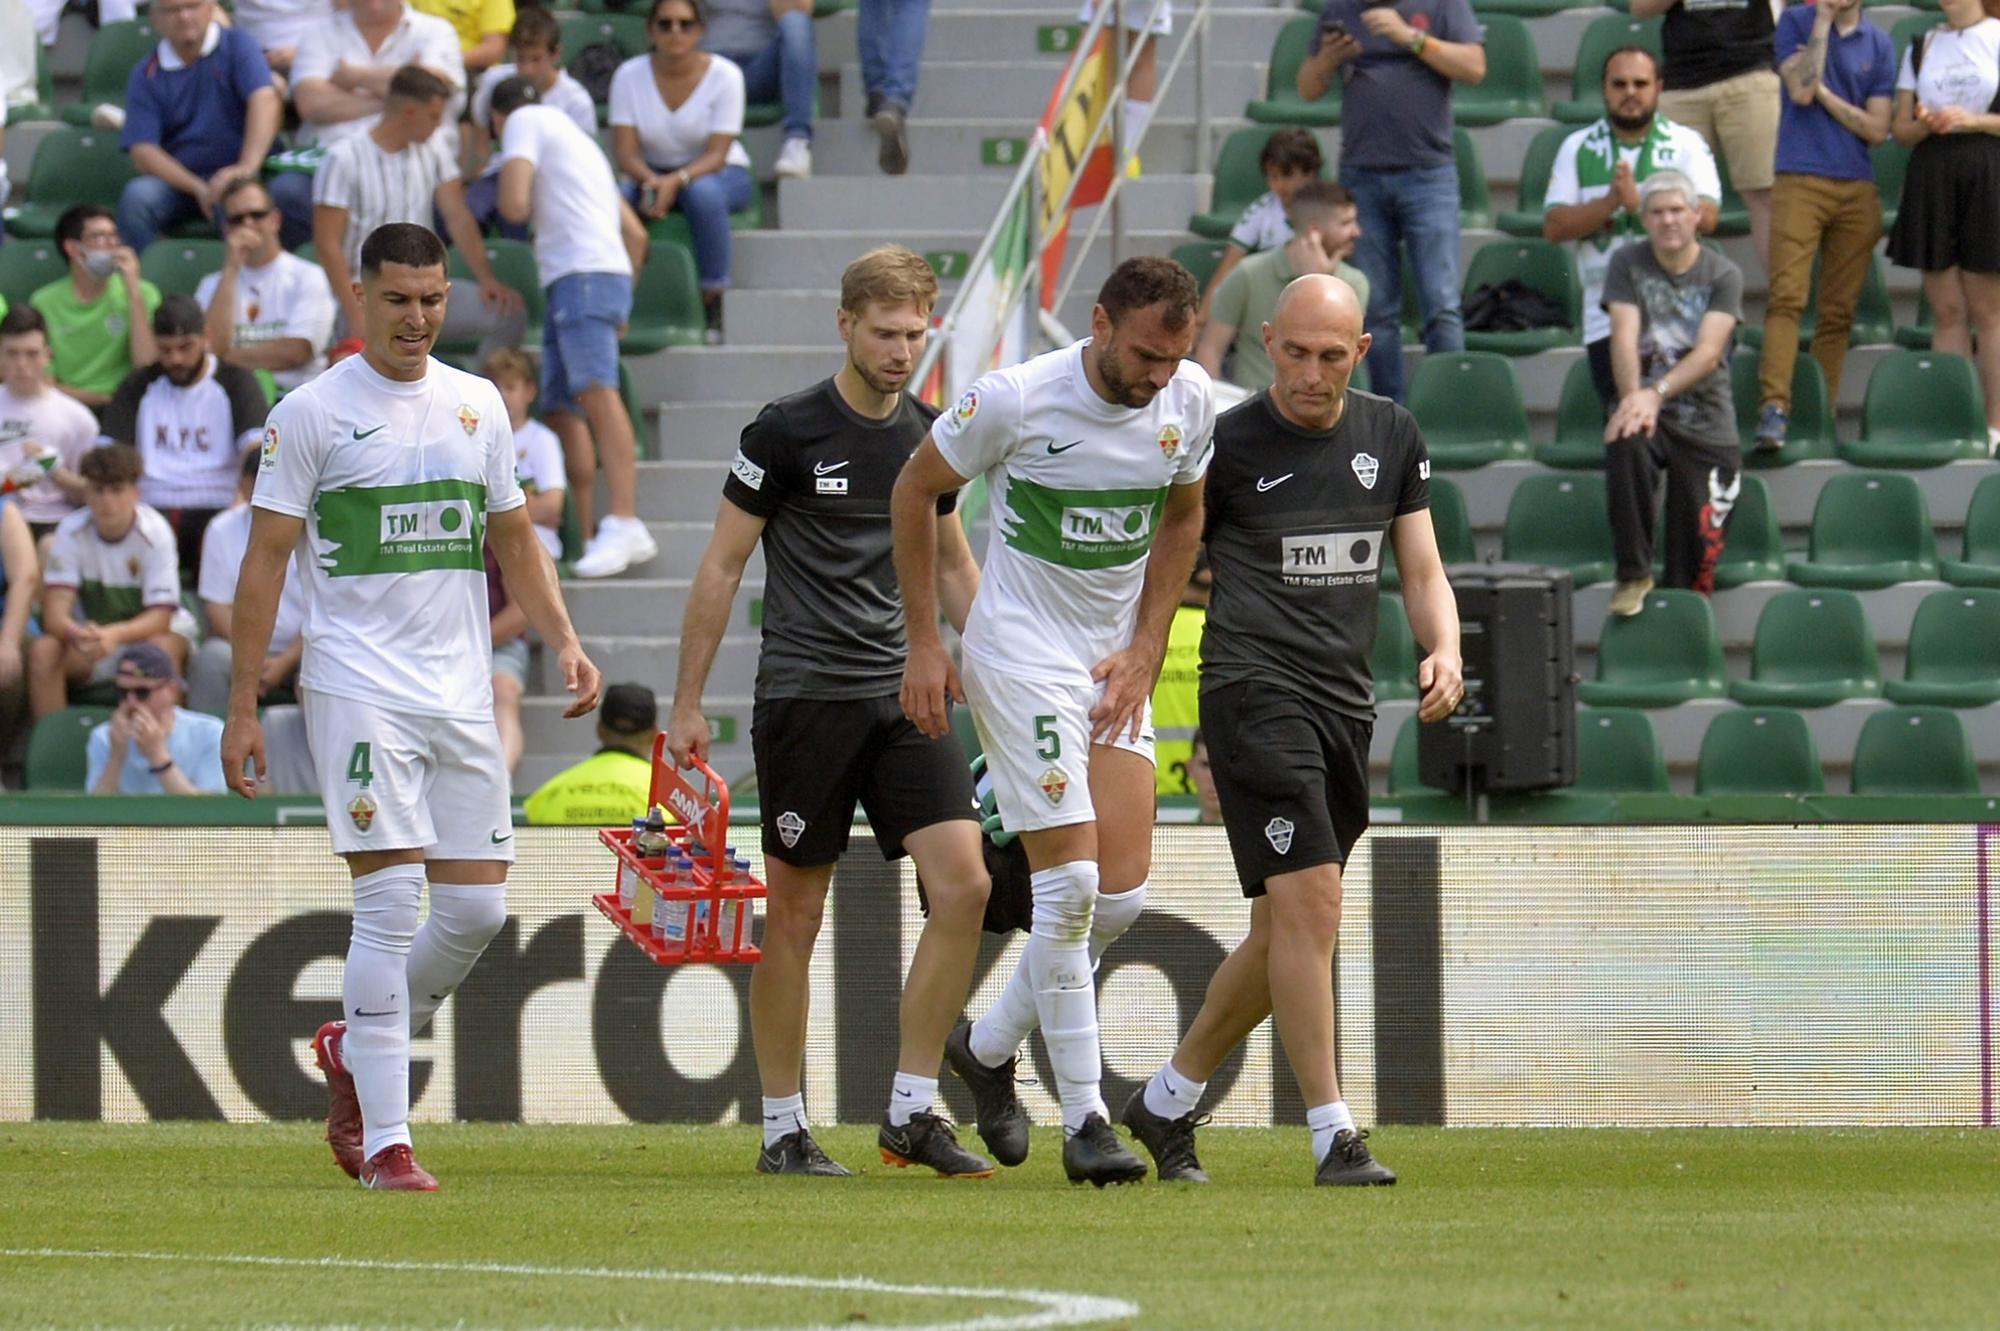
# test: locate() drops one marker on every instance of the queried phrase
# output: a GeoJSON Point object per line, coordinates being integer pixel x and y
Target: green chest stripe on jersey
{"type": "Point", "coordinates": [420, 528]}
{"type": "Point", "coordinates": [1081, 529]}
{"type": "Point", "coordinates": [104, 604]}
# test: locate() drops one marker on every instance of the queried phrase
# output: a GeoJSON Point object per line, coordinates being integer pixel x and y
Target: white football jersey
{"type": "Point", "coordinates": [395, 481]}
{"type": "Point", "coordinates": [1076, 487]}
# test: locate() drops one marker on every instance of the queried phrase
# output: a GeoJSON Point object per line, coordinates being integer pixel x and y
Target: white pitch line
{"type": "Point", "coordinates": [1056, 1308]}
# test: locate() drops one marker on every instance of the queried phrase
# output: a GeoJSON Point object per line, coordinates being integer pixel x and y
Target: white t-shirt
{"type": "Point", "coordinates": [395, 482]}
{"type": "Point", "coordinates": [115, 580]}
{"type": "Point", "coordinates": [192, 438]}
{"type": "Point", "coordinates": [49, 422]}
{"type": "Point", "coordinates": [1668, 146]}
{"type": "Point", "coordinates": [1077, 487]}
{"type": "Point", "coordinates": [288, 297]}
{"type": "Point", "coordinates": [1263, 225]}
{"type": "Point", "coordinates": [418, 39]}
{"type": "Point", "coordinates": [1961, 68]}
{"type": "Point", "coordinates": [576, 200]}
{"type": "Point", "coordinates": [538, 465]}
{"type": "Point", "coordinates": [377, 187]}
{"type": "Point", "coordinates": [277, 23]}
{"type": "Point", "coordinates": [222, 546]}
{"type": "Point", "coordinates": [567, 96]}
{"type": "Point", "coordinates": [669, 140]}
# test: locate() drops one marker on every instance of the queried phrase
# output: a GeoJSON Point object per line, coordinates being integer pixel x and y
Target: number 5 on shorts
{"type": "Point", "coordinates": [360, 764]}
{"type": "Point", "coordinates": [1048, 744]}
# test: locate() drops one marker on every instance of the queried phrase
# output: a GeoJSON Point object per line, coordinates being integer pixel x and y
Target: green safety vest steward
{"type": "Point", "coordinates": [1177, 702]}
{"type": "Point", "coordinates": [607, 789]}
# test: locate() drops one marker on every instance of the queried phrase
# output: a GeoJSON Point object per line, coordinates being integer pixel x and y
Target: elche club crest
{"type": "Point", "coordinates": [361, 809]}
{"type": "Point", "coordinates": [1366, 469]}
{"type": "Point", "coordinates": [1054, 784]}
{"type": "Point", "coordinates": [467, 417]}
{"type": "Point", "coordinates": [1279, 833]}
{"type": "Point", "coordinates": [790, 828]}
{"type": "Point", "coordinates": [1170, 440]}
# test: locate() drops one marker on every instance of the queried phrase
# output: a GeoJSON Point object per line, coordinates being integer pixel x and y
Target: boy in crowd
{"type": "Point", "coordinates": [44, 432]}
{"type": "Point", "coordinates": [1290, 158]}
{"type": "Point", "coordinates": [538, 454]}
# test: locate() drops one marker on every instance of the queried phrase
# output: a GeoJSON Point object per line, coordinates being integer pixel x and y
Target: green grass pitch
{"type": "Point", "coordinates": [226, 1226]}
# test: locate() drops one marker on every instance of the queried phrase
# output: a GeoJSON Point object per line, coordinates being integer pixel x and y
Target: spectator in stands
{"type": "Point", "coordinates": [890, 34]}
{"type": "Point", "coordinates": [1396, 155]}
{"type": "Point", "coordinates": [402, 170]}
{"type": "Point", "coordinates": [112, 579]}
{"type": "Point", "coordinates": [100, 317]}
{"type": "Point", "coordinates": [675, 115]}
{"type": "Point", "coordinates": [507, 625]}
{"type": "Point", "coordinates": [1839, 72]}
{"type": "Point", "coordinates": [610, 788]}
{"type": "Point", "coordinates": [222, 547]}
{"type": "Point", "coordinates": [20, 583]}
{"type": "Point", "coordinates": [199, 112]}
{"type": "Point", "coordinates": [268, 311]}
{"type": "Point", "coordinates": [1324, 232]}
{"type": "Point", "coordinates": [1945, 111]}
{"type": "Point", "coordinates": [1721, 81]}
{"type": "Point", "coordinates": [537, 43]}
{"type": "Point", "coordinates": [1144, 83]}
{"type": "Point", "coordinates": [1289, 158]}
{"type": "Point", "coordinates": [772, 42]}
{"type": "Point", "coordinates": [190, 416]}
{"type": "Point", "coordinates": [588, 243]}
{"type": "Point", "coordinates": [279, 27]}
{"type": "Point", "coordinates": [481, 25]}
{"type": "Point", "coordinates": [538, 454]}
{"type": "Point", "coordinates": [1593, 195]}
{"type": "Point", "coordinates": [41, 429]}
{"type": "Point", "coordinates": [1674, 308]}
{"type": "Point", "coordinates": [152, 745]}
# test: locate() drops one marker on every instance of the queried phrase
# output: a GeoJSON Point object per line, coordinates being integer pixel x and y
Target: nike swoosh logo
{"type": "Point", "coordinates": [826, 469]}
{"type": "Point", "coordinates": [904, 1094]}
{"type": "Point", "coordinates": [363, 434]}
{"type": "Point", "coordinates": [498, 839]}
{"type": "Point", "coordinates": [386, 1012]}
{"type": "Point", "coordinates": [1053, 450]}
{"type": "Point", "coordinates": [1264, 483]}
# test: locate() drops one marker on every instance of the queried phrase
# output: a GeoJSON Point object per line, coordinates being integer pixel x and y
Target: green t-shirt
{"type": "Point", "coordinates": [91, 344]}
{"type": "Point", "coordinates": [1245, 301]}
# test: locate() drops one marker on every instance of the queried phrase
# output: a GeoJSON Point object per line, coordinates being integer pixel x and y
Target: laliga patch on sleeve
{"type": "Point", "coordinates": [269, 460]}
{"type": "Point", "coordinates": [747, 471]}
{"type": "Point", "coordinates": [968, 407]}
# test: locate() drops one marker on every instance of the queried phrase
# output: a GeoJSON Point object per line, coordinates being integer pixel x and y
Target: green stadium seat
{"type": "Point", "coordinates": [1922, 409]}
{"type": "Point", "coordinates": [179, 265]}
{"type": "Point", "coordinates": [673, 229]}
{"type": "Point", "coordinates": [1874, 321]}
{"type": "Point", "coordinates": [1914, 751]}
{"type": "Point", "coordinates": [1513, 84]}
{"type": "Point", "coordinates": [1917, 336]}
{"type": "Point", "coordinates": [57, 754]}
{"type": "Point", "coordinates": [666, 304]}
{"type": "Point", "coordinates": [1200, 257]}
{"type": "Point", "coordinates": [1732, 217]}
{"type": "Point", "coordinates": [1541, 264]}
{"type": "Point", "coordinates": [626, 30]}
{"type": "Point", "coordinates": [1892, 163]}
{"type": "Point", "coordinates": [1617, 752]}
{"type": "Point", "coordinates": [1869, 529]}
{"type": "Point", "coordinates": [1600, 39]}
{"type": "Point", "coordinates": [1980, 566]}
{"type": "Point", "coordinates": [43, 106]}
{"type": "Point", "coordinates": [1811, 432]}
{"type": "Point", "coordinates": [1469, 405]}
{"type": "Point", "coordinates": [1281, 103]}
{"type": "Point", "coordinates": [1475, 201]}
{"type": "Point", "coordinates": [1813, 648]}
{"type": "Point", "coordinates": [1239, 182]}
{"type": "Point", "coordinates": [1954, 652]}
{"type": "Point", "coordinates": [71, 166]}
{"type": "Point", "coordinates": [1560, 518]}
{"type": "Point", "coordinates": [1666, 654]}
{"type": "Point", "coordinates": [513, 263]}
{"type": "Point", "coordinates": [1758, 751]}
{"type": "Point", "coordinates": [1755, 551]}
{"type": "Point", "coordinates": [26, 266]}
{"type": "Point", "coordinates": [115, 50]}
{"type": "Point", "coordinates": [1394, 660]}
{"type": "Point", "coordinates": [1908, 27]}
{"type": "Point", "coordinates": [1580, 421]}
{"type": "Point", "coordinates": [1537, 164]}
{"type": "Point", "coordinates": [1449, 525]}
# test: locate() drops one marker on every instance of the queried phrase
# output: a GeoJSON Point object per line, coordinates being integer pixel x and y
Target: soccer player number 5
{"type": "Point", "coordinates": [1048, 744]}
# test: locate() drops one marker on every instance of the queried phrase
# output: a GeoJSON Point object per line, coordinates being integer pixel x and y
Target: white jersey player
{"type": "Point", "coordinates": [1094, 457]}
{"type": "Point", "coordinates": [388, 474]}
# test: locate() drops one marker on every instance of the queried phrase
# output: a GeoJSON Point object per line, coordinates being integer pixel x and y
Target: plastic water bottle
{"type": "Point", "coordinates": [628, 880]}
{"type": "Point", "coordinates": [671, 926]}
{"type": "Point", "coordinates": [732, 907]}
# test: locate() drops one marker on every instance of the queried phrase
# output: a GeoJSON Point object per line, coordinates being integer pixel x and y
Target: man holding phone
{"type": "Point", "coordinates": [1398, 60]}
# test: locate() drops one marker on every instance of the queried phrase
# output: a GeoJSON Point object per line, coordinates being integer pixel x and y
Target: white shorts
{"type": "Point", "coordinates": [1037, 741]}
{"type": "Point", "coordinates": [402, 781]}
{"type": "Point", "coordinates": [1135, 16]}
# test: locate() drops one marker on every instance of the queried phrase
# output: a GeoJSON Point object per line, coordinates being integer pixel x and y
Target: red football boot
{"type": "Point", "coordinates": [394, 1169]}
{"type": "Point", "coordinates": [343, 1108]}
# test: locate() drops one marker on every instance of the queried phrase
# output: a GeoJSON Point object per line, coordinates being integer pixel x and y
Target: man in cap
{"type": "Point", "coordinates": [152, 745]}
{"type": "Point", "coordinates": [611, 787]}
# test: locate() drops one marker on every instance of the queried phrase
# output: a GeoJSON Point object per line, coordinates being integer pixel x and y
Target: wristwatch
{"type": "Point", "coordinates": [1419, 42]}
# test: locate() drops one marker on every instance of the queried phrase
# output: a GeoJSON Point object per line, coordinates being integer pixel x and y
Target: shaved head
{"type": "Point", "coordinates": [1319, 302]}
{"type": "Point", "coordinates": [1314, 340]}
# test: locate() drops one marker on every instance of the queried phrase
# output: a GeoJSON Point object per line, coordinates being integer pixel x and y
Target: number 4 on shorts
{"type": "Point", "coordinates": [1048, 744]}
{"type": "Point", "coordinates": [360, 764]}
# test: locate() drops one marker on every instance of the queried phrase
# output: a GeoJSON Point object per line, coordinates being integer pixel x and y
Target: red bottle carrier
{"type": "Point", "coordinates": [722, 931]}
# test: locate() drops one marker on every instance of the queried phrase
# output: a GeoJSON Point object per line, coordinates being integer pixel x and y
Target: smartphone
{"type": "Point", "coordinates": [1331, 29]}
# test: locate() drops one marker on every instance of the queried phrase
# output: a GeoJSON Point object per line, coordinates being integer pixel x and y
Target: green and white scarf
{"type": "Point", "coordinates": [1597, 159]}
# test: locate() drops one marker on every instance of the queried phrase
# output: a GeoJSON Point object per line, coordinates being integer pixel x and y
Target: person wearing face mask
{"type": "Point", "coordinates": [152, 745]}
{"type": "Point", "coordinates": [100, 316]}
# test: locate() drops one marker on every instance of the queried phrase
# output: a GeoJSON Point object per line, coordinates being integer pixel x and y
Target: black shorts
{"type": "Point", "coordinates": [816, 759]}
{"type": "Point", "coordinates": [1292, 778]}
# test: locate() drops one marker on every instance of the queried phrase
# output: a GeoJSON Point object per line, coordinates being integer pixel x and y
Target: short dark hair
{"type": "Point", "coordinates": [22, 319]}
{"type": "Point", "coordinates": [236, 185]}
{"type": "Point", "coordinates": [1291, 149]}
{"type": "Point", "coordinates": [406, 243]}
{"type": "Point", "coordinates": [535, 26]}
{"type": "Point", "coordinates": [653, 11]}
{"type": "Point", "coordinates": [1319, 198]}
{"type": "Point", "coordinates": [111, 464]}
{"type": "Point", "coordinates": [414, 83]}
{"type": "Point", "coordinates": [76, 217]}
{"type": "Point", "coordinates": [1652, 58]}
{"type": "Point", "coordinates": [179, 315]}
{"type": "Point", "coordinates": [1139, 283]}
{"type": "Point", "coordinates": [511, 94]}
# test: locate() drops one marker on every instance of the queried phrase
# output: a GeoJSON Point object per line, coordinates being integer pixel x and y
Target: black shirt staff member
{"type": "Point", "coordinates": [1308, 480]}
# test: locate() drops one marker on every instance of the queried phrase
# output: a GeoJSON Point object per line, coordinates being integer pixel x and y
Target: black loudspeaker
{"type": "Point", "coordinates": [1516, 728]}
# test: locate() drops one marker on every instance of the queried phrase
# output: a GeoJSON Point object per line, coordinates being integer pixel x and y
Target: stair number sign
{"type": "Point", "coordinates": [1002, 151]}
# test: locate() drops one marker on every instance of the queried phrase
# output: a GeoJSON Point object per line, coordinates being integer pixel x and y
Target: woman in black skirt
{"type": "Point", "coordinates": [1948, 112]}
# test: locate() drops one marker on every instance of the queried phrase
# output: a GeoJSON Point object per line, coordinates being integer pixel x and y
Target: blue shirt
{"type": "Point", "coordinates": [1860, 65]}
{"type": "Point", "coordinates": [195, 112]}
{"type": "Point", "coordinates": [1395, 111]}
{"type": "Point", "coordinates": [195, 745]}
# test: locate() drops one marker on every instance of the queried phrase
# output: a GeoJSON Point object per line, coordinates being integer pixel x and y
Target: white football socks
{"type": "Point", "coordinates": [375, 994]}
{"type": "Point", "coordinates": [463, 920]}
{"type": "Point", "coordinates": [910, 1095]}
{"type": "Point", "coordinates": [783, 1116]}
{"type": "Point", "coordinates": [1058, 964]}
{"type": "Point", "coordinates": [1136, 116]}
{"type": "Point", "coordinates": [998, 1036]}
{"type": "Point", "coordinates": [1170, 1095]}
{"type": "Point", "coordinates": [1327, 1121]}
